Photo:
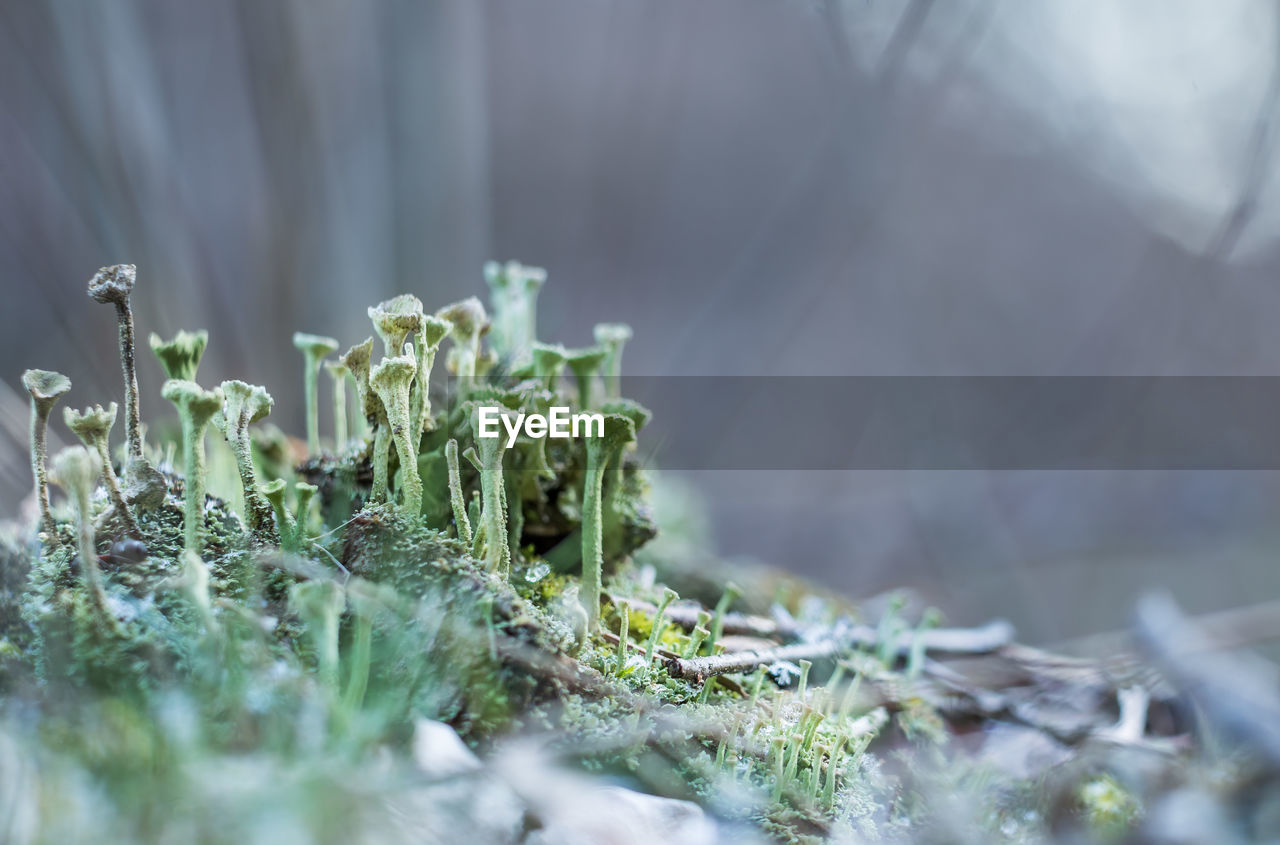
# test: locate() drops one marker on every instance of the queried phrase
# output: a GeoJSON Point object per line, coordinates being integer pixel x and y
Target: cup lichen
{"type": "Point", "coordinates": [112, 286]}
{"type": "Point", "coordinates": [46, 387]}
{"type": "Point", "coordinates": [338, 374]}
{"type": "Point", "coordinates": [456, 501]}
{"type": "Point", "coordinates": [391, 380]}
{"type": "Point", "coordinates": [286, 525]}
{"type": "Point", "coordinates": [488, 452]}
{"type": "Point", "coordinates": [514, 291]}
{"type": "Point", "coordinates": [431, 332]}
{"type": "Point", "coordinates": [314, 348]}
{"type": "Point", "coordinates": [180, 357]}
{"type": "Point", "coordinates": [196, 407]}
{"type": "Point", "coordinates": [76, 471]}
{"type": "Point", "coordinates": [585, 366]}
{"type": "Point", "coordinates": [548, 360]}
{"type": "Point", "coordinates": [612, 336]}
{"type": "Point", "coordinates": [319, 605]}
{"type": "Point", "coordinates": [242, 405]}
{"type": "Point", "coordinates": [468, 322]}
{"type": "Point", "coordinates": [617, 430]}
{"type": "Point", "coordinates": [93, 427]}
{"type": "Point", "coordinates": [395, 319]}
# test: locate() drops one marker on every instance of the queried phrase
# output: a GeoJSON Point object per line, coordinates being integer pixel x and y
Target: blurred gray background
{"type": "Point", "coordinates": [759, 187]}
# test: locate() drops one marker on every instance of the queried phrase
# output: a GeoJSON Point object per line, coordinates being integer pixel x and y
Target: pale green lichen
{"type": "Point", "coordinates": [396, 319]}
{"type": "Point", "coordinates": [357, 360]}
{"type": "Point", "coordinates": [242, 405]}
{"type": "Point", "coordinates": [93, 427]}
{"type": "Point", "coordinates": [617, 430]}
{"type": "Point", "coordinates": [468, 321]}
{"type": "Point", "coordinates": [460, 520]}
{"type": "Point", "coordinates": [489, 451]}
{"type": "Point", "coordinates": [514, 291]}
{"type": "Point", "coordinates": [430, 333]}
{"type": "Point", "coordinates": [319, 604]}
{"type": "Point", "coordinates": [286, 526]}
{"type": "Point", "coordinates": [612, 337]}
{"type": "Point", "coordinates": [338, 375]}
{"type": "Point", "coordinates": [45, 388]}
{"type": "Point", "coordinates": [585, 366]}
{"type": "Point", "coordinates": [76, 470]}
{"type": "Point", "coordinates": [731, 593]}
{"type": "Point", "coordinates": [314, 348]}
{"type": "Point", "coordinates": [196, 407]}
{"type": "Point", "coordinates": [391, 380]}
{"type": "Point", "coordinates": [112, 286]}
{"type": "Point", "coordinates": [548, 360]}
{"type": "Point", "coordinates": [180, 357]}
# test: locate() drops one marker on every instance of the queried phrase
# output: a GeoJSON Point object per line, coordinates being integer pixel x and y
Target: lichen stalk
{"type": "Point", "coordinates": [431, 332]}
{"type": "Point", "coordinates": [514, 296]}
{"type": "Point", "coordinates": [93, 427]}
{"type": "Point", "coordinates": [76, 470]}
{"type": "Point", "coordinates": [305, 494]}
{"type": "Point", "coordinates": [243, 405]}
{"type": "Point", "coordinates": [366, 600]}
{"type": "Point", "coordinates": [548, 360]}
{"type": "Point", "coordinates": [319, 604]}
{"type": "Point", "coordinates": [314, 348]}
{"type": "Point", "coordinates": [286, 525]}
{"type": "Point", "coordinates": [585, 365]}
{"type": "Point", "coordinates": [468, 322]}
{"type": "Point", "coordinates": [624, 631]}
{"type": "Point", "coordinates": [380, 490]}
{"type": "Point", "coordinates": [357, 360]}
{"type": "Point", "coordinates": [456, 500]}
{"type": "Point", "coordinates": [617, 429]}
{"type": "Point", "coordinates": [39, 454]}
{"type": "Point", "coordinates": [655, 633]}
{"type": "Point", "coordinates": [639, 416]}
{"type": "Point", "coordinates": [196, 407]}
{"type": "Point", "coordinates": [391, 380]}
{"type": "Point", "coordinates": [113, 285]}
{"type": "Point", "coordinates": [45, 388]}
{"type": "Point", "coordinates": [613, 337]}
{"type": "Point", "coordinates": [338, 373]}
{"type": "Point", "coordinates": [731, 593]}
{"type": "Point", "coordinates": [497, 555]}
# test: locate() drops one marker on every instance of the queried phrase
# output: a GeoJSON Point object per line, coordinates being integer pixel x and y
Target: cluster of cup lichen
{"type": "Point", "coordinates": [374, 578]}
{"type": "Point", "coordinates": [581, 501]}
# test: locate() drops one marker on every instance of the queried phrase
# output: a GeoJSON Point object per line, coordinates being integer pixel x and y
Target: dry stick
{"type": "Point", "coordinates": [954, 640]}
{"type": "Point", "coordinates": [698, 669]}
{"type": "Point", "coordinates": [735, 624]}
{"type": "Point", "coordinates": [981, 640]}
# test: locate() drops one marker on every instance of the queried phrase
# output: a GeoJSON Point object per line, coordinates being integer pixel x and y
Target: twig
{"type": "Point", "coordinates": [698, 669]}
{"type": "Point", "coordinates": [685, 614]}
{"type": "Point", "coordinates": [982, 640]}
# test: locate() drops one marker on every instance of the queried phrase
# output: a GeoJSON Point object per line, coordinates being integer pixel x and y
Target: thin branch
{"type": "Point", "coordinates": [983, 640]}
